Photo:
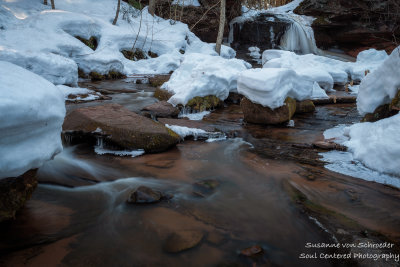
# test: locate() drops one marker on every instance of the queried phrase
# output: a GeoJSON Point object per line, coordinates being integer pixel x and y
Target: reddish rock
{"type": "Point", "coordinates": [14, 192]}
{"type": "Point", "coordinates": [256, 113]}
{"type": "Point", "coordinates": [120, 127]}
{"type": "Point", "coordinates": [183, 240]}
{"type": "Point", "coordinates": [353, 25]}
{"type": "Point", "coordinates": [252, 251]}
{"type": "Point", "coordinates": [162, 109]}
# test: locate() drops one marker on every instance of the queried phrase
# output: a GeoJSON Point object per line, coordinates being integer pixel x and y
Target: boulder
{"type": "Point", "coordinates": [162, 109]}
{"type": "Point", "coordinates": [120, 127]}
{"type": "Point", "coordinates": [14, 192]}
{"type": "Point", "coordinates": [146, 195]}
{"type": "Point", "coordinates": [183, 240]}
{"type": "Point", "coordinates": [381, 112]}
{"type": "Point", "coordinates": [252, 251]}
{"type": "Point", "coordinates": [353, 25]}
{"type": "Point", "coordinates": [305, 106]}
{"type": "Point", "coordinates": [256, 113]}
{"type": "Point", "coordinates": [162, 95]}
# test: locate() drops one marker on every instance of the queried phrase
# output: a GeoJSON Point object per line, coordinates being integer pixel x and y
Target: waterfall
{"type": "Point", "coordinates": [299, 38]}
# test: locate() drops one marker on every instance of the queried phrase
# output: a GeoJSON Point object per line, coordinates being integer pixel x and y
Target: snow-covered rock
{"type": "Point", "coordinates": [381, 85]}
{"type": "Point", "coordinates": [270, 87]}
{"type": "Point", "coordinates": [374, 144]}
{"type": "Point", "coordinates": [32, 112]}
{"type": "Point", "coordinates": [56, 54]}
{"type": "Point", "coordinates": [324, 70]}
{"type": "Point", "coordinates": [202, 75]}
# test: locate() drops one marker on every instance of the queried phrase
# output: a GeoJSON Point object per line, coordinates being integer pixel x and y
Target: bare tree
{"type": "Point", "coordinates": [52, 4]}
{"type": "Point", "coordinates": [117, 13]}
{"type": "Point", "coordinates": [152, 7]}
{"type": "Point", "coordinates": [45, 2]}
{"type": "Point", "coordinates": [221, 27]}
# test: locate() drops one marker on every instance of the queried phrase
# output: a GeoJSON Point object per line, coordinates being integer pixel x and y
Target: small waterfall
{"type": "Point", "coordinates": [299, 38]}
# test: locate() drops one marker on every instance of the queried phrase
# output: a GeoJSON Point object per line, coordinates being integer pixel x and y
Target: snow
{"type": "Point", "coordinates": [381, 85]}
{"type": "Point", "coordinates": [375, 144]}
{"type": "Point", "coordinates": [324, 70]}
{"type": "Point", "coordinates": [186, 2]}
{"type": "Point", "coordinates": [344, 163]}
{"type": "Point", "coordinates": [184, 132]}
{"type": "Point", "coordinates": [202, 75]}
{"type": "Point", "coordinates": [66, 90]}
{"type": "Point", "coordinates": [270, 87]}
{"type": "Point", "coordinates": [55, 53]}
{"type": "Point", "coordinates": [35, 110]}
{"type": "Point", "coordinates": [194, 116]}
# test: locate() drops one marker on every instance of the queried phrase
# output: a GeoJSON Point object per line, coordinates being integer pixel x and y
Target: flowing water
{"type": "Point", "coordinates": [78, 215]}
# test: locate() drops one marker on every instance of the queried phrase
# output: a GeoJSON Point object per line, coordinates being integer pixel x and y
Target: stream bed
{"type": "Point", "coordinates": [271, 190]}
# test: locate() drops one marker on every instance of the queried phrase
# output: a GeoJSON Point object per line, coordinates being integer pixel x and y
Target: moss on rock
{"type": "Point", "coordinates": [204, 103]}
{"type": "Point", "coordinates": [91, 42]}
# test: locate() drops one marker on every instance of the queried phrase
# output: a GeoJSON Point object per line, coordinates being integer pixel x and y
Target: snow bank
{"type": "Point", "coordinates": [270, 87]}
{"type": "Point", "coordinates": [32, 111]}
{"type": "Point", "coordinates": [374, 144]}
{"type": "Point", "coordinates": [323, 70]}
{"type": "Point", "coordinates": [56, 54]}
{"type": "Point", "coordinates": [381, 85]}
{"type": "Point", "coordinates": [203, 75]}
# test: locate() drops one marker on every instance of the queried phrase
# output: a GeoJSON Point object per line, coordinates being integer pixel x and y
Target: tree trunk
{"type": "Point", "coordinates": [117, 13]}
{"type": "Point", "coordinates": [221, 27]}
{"type": "Point", "coordinates": [52, 4]}
{"type": "Point", "coordinates": [152, 7]}
{"type": "Point", "coordinates": [45, 2]}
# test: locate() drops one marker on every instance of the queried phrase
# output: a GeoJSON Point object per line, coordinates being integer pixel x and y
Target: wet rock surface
{"type": "Point", "coordinates": [15, 192]}
{"type": "Point", "coordinates": [183, 240]}
{"type": "Point", "coordinates": [162, 109]}
{"type": "Point", "coordinates": [353, 25]}
{"type": "Point", "coordinates": [146, 195]}
{"type": "Point", "coordinates": [256, 113]}
{"type": "Point", "coordinates": [121, 127]}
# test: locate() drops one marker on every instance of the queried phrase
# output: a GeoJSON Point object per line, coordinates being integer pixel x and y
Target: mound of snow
{"type": "Point", "coordinates": [270, 87]}
{"type": "Point", "coordinates": [380, 86]}
{"type": "Point", "coordinates": [32, 111]}
{"type": "Point", "coordinates": [56, 54]}
{"type": "Point", "coordinates": [374, 144]}
{"type": "Point", "coordinates": [203, 75]}
{"type": "Point", "coordinates": [324, 70]}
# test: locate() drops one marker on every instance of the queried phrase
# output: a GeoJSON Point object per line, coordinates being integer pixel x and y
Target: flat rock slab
{"type": "Point", "coordinates": [183, 240]}
{"type": "Point", "coordinates": [189, 124]}
{"type": "Point", "coordinates": [121, 127]}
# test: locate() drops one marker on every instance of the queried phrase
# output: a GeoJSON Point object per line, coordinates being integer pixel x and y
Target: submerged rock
{"type": "Point", "coordinates": [146, 195]}
{"type": "Point", "coordinates": [205, 187]}
{"type": "Point", "coordinates": [256, 113]}
{"type": "Point", "coordinates": [14, 192]}
{"type": "Point", "coordinates": [162, 109]}
{"type": "Point", "coordinates": [252, 251]}
{"type": "Point", "coordinates": [121, 127]}
{"type": "Point", "coordinates": [183, 240]}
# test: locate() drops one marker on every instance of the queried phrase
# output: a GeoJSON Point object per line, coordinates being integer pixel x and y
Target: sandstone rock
{"type": "Point", "coordinates": [256, 113]}
{"type": "Point", "coordinates": [183, 240]}
{"type": "Point", "coordinates": [204, 103]}
{"type": "Point", "coordinates": [120, 127]}
{"type": "Point", "coordinates": [14, 192]}
{"type": "Point", "coordinates": [352, 25]}
{"type": "Point", "coordinates": [379, 113]}
{"type": "Point", "coordinates": [161, 94]}
{"type": "Point", "coordinates": [305, 106]}
{"type": "Point", "coordinates": [146, 195]}
{"type": "Point", "coordinates": [329, 145]}
{"type": "Point", "coordinates": [158, 80]}
{"type": "Point", "coordinates": [395, 104]}
{"type": "Point", "coordinates": [162, 109]}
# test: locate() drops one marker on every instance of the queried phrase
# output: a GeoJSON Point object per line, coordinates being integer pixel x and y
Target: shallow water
{"type": "Point", "coordinates": [78, 215]}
